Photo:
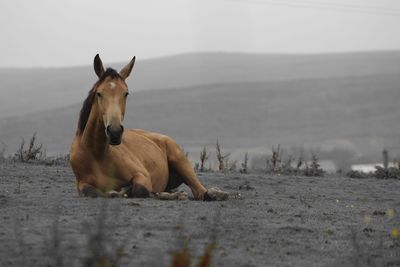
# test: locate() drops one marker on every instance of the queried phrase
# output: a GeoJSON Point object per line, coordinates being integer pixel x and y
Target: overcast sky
{"type": "Point", "coordinates": [70, 32]}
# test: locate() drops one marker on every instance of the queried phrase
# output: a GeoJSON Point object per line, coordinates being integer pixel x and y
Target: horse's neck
{"type": "Point", "coordinates": [93, 137]}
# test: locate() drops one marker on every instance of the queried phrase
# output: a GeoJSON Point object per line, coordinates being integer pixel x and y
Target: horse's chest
{"type": "Point", "coordinates": [115, 171]}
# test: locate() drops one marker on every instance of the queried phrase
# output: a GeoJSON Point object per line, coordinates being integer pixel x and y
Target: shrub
{"type": "Point", "coordinates": [277, 164]}
{"type": "Point", "coordinates": [315, 167]}
{"type": "Point", "coordinates": [203, 158]}
{"type": "Point", "coordinates": [387, 172]}
{"type": "Point", "coordinates": [222, 159]}
{"type": "Point", "coordinates": [274, 163]}
{"type": "Point", "coordinates": [357, 174]}
{"type": "Point", "coordinates": [33, 152]}
{"type": "Point", "coordinates": [2, 151]}
{"type": "Point", "coordinates": [244, 168]}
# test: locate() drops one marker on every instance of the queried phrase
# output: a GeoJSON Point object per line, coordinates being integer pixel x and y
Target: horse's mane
{"type": "Point", "coordinates": [88, 103]}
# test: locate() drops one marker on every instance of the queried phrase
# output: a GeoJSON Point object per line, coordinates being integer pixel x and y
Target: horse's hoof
{"type": "Point", "coordinates": [89, 191]}
{"type": "Point", "coordinates": [113, 194]}
{"type": "Point", "coordinates": [182, 195]}
{"type": "Point", "coordinates": [215, 194]}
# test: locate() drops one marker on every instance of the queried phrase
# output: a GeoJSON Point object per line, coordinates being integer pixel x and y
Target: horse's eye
{"type": "Point", "coordinates": [126, 94]}
{"type": "Point", "coordinates": [99, 95]}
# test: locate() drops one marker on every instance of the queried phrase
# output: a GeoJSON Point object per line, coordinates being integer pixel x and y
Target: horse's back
{"type": "Point", "coordinates": [164, 142]}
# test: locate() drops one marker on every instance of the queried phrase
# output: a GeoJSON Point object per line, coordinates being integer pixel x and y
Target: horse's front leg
{"type": "Point", "coordinates": [88, 190]}
{"type": "Point", "coordinates": [141, 186]}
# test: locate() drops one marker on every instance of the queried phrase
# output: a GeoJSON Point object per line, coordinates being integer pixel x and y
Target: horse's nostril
{"type": "Point", "coordinates": [115, 131]}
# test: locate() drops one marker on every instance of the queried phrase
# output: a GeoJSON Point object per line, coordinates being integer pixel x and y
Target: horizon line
{"type": "Point", "coordinates": [283, 54]}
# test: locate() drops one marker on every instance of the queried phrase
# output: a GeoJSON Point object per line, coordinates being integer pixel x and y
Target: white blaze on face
{"type": "Point", "coordinates": [112, 85]}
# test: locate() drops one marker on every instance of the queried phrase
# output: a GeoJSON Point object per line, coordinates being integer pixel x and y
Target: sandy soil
{"type": "Point", "coordinates": [280, 221]}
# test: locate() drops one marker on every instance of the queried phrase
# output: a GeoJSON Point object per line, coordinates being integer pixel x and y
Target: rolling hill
{"type": "Point", "coordinates": [24, 91]}
{"type": "Point", "coordinates": [335, 103]}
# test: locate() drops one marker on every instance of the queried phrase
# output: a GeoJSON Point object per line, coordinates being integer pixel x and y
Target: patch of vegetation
{"type": "Point", "coordinates": [33, 152]}
{"type": "Point", "coordinates": [101, 248]}
{"type": "Point", "coordinates": [2, 152]}
{"type": "Point", "coordinates": [203, 158]}
{"type": "Point", "coordinates": [388, 170]}
{"type": "Point", "coordinates": [245, 163]}
{"type": "Point", "coordinates": [358, 174]}
{"type": "Point", "coordinates": [372, 253]}
{"type": "Point", "coordinates": [223, 159]}
{"type": "Point", "coordinates": [277, 164]}
{"type": "Point", "coordinates": [315, 168]}
{"type": "Point", "coordinates": [59, 160]}
{"type": "Point", "coordinates": [182, 256]}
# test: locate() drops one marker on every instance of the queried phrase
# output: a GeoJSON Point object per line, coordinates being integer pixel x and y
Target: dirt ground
{"type": "Point", "coordinates": [279, 221]}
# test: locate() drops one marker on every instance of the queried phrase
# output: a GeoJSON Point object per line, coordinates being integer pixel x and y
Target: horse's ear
{"type": "Point", "coordinates": [98, 66]}
{"type": "Point", "coordinates": [125, 71]}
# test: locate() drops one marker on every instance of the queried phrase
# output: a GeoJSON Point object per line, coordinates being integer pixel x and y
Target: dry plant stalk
{"type": "Point", "coordinates": [385, 157]}
{"type": "Point", "coordinates": [276, 158]}
{"type": "Point", "coordinates": [32, 153]}
{"type": "Point", "coordinates": [206, 259]}
{"type": "Point", "coordinates": [183, 258]}
{"type": "Point", "coordinates": [203, 158]}
{"type": "Point", "coordinates": [2, 151]}
{"type": "Point", "coordinates": [221, 158]}
{"type": "Point", "coordinates": [244, 168]}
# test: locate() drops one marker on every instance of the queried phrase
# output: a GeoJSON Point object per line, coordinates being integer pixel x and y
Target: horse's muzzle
{"type": "Point", "coordinates": [114, 134]}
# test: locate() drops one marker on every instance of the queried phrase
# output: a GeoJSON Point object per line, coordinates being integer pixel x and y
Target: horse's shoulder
{"type": "Point", "coordinates": [75, 153]}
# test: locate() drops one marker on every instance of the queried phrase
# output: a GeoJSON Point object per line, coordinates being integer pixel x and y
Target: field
{"type": "Point", "coordinates": [342, 107]}
{"type": "Point", "coordinates": [278, 221]}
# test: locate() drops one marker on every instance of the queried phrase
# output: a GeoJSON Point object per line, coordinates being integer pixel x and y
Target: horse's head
{"type": "Point", "coordinates": [111, 94]}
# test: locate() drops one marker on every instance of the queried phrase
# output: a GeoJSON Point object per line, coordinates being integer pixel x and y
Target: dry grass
{"type": "Point", "coordinates": [32, 152]}
{"type": "Point", "coordinates": [183, 258]}
{"type": "Point", "coordinates": [222, 158]}
{"type": "Point", "coordinates": [245, 167]}
{"type": "Point", "coordinates": [2, 152]}
{"type": "Point", "coordinates": [203, 158]}
{"type": "Point", "coordinates": [100, 249]}
{"type": "Point", "coordinates": [280, 165]}
{"type": "Point", "coordinates": [388, 171]}
{"type": "Point", "coordinates": [367, 253]}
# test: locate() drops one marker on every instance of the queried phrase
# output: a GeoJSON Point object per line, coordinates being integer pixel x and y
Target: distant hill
{"type": "Point", "coordinates": [25, 91]}
{"type": "Point", "coordinates": [356, 114]}
{"type": "Point", "coordinates": [344, 105]}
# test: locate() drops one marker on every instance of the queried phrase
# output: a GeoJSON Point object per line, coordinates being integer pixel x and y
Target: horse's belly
{"type": "Point", "coordinates": [159, 175]}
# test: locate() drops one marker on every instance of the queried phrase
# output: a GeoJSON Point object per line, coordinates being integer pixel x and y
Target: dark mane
{"type": "Point", "coordinates": [88, 103]}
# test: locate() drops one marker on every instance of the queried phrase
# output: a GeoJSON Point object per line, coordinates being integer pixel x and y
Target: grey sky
{"type": "Point", "coordinates": [70, 32]}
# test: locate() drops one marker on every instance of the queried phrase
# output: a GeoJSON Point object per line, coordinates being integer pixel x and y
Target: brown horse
{"type": "Point", "coordinates": [109, 161]}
